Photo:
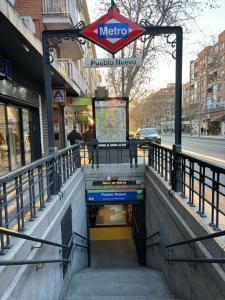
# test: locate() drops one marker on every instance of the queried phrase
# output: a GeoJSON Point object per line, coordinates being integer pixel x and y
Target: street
{"type": "Point", "coordinates": [211, 149]}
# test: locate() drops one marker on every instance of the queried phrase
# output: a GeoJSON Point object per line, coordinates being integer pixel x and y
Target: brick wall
{"type": "Point", "coordinates": [31, 8]}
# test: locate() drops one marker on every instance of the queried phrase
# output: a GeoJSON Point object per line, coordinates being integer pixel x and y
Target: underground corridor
{"type": "Point", "coordinates": [117, 234]}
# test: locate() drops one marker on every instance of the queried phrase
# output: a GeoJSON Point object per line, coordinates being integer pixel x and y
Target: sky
{"type": "Point", "coordinates": [210, 23]}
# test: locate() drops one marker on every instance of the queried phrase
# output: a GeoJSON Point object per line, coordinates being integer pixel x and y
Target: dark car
{"type": "Point", "coordinates": [148, 135]}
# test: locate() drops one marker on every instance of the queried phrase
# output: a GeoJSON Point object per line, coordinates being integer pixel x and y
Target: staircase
{"type": "Point", "coordinates": [116, 275]}
{"type": "Point", "coordinates": [139, 283]}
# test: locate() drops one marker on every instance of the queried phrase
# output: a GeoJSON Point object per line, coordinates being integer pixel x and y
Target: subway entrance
{"type": "Point", "coordinates": [117, 234]}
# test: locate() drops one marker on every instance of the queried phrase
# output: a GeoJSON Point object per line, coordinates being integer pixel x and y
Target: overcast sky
{"type": "Point", "coordinates": [210, 23]}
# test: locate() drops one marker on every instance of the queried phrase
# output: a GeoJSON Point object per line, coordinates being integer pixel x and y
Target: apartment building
{"type": "Point", "coordinates": [61, 14]}
{"type": "Point", "coordinates": [156, 110]}
{"type": "Point", "coordinates": [204, 95]}
{"type": "Point", "coordinates": [23, 116]}
{"type": "Point", "coordinates": [162, 108]}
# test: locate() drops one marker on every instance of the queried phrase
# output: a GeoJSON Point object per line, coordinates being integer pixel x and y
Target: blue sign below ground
{"type": "Point", "coordinates": [115, 195]}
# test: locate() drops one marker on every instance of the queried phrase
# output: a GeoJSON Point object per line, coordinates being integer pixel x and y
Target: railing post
{"type": "Point", "coordinates": [1, 221]}
{"type": "Point", "coordinates": [151, 155]}
{"type": "Point", "coordinates": [176, 171]}
{"type": "Point", "coordinates": [78, 157]}
{"type": "Point", "coordinates": [55, 187]}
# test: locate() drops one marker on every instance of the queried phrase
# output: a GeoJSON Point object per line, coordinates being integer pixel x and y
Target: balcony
{"type": "Point", "coordinates": [68, 66]}
{"type": "Point", "coordinates": [61, 14]}
{"type": "Point", "coordinates": [214, 106]}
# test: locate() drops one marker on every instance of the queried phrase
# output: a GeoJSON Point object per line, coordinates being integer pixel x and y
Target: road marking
{"type": "Point", "coordinates": [220, 144]}
{"type": "Point", "coordinates": [206, 156]}
{"type": "Point", "coordinates": [213, 145]}
{"type": "Point", "coordinates": [201, 155]}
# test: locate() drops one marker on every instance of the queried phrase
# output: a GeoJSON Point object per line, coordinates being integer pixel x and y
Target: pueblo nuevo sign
{"type": "Point", "coordinates": [112, 31]}
{"type": "Point", "coordinates": [114, 62]}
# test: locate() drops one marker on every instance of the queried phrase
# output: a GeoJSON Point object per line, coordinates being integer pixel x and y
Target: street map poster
{"type": "Point", "coordinates": [111, 120]}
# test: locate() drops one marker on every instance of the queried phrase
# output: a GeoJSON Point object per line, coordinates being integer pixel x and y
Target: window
{"type": "Point", "coordinates": [4, 162]}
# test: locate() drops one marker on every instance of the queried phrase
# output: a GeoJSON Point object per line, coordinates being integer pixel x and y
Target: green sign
{"type": "Point", "coordinates": [115, 195]}
{"type": "Point", "coordinates": [78, 101]}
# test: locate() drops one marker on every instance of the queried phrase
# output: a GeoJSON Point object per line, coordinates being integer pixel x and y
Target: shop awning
{"type": "Point", "coordinates": [79, 101]}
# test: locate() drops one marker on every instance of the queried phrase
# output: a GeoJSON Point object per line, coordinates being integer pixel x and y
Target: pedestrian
{"type": "Point", "coordinates": [74, 136]}
{"type": "Point", "coordinates": [202, 131]}
{"type": "Point", "coordinates": [87, 137]}
{"type": "Point", "coordinates": [207, 131]}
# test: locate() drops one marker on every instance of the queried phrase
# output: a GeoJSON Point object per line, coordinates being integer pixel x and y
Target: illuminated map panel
{"type": "Point", "coordinates": [111, 120]}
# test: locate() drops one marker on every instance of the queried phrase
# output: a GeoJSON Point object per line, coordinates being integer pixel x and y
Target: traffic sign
{"type": "Point", "coordinates": [112, 31]}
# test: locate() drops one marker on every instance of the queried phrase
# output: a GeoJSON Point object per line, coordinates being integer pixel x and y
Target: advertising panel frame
{"type": "Point", "coordinates": [110, 99]}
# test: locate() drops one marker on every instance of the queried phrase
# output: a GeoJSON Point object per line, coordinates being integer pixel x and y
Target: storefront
{"type": "Point", "coordinates": [19, 126]}
{"type": "Point", "coordinates": [16, 136]}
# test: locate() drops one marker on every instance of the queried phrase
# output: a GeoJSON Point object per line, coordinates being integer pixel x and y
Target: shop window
{"type": "Point", "coordinates": [26, 135]}
{"type": "Point", "coordinates": [15, 148]}
{"type": "Point", "coordinates": [4, 162]}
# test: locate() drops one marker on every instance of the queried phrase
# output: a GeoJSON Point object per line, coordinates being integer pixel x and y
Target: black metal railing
{"type": "Point", "coordinates": [86, 246]}
{"type": "Point", "coordinates": [201, 183]}
{"type": "Point", "coordinates": [134, 152]}
{"type": "Point", "coordinates": [68, 247]}
{"type": "Point", "coordinates": [165, 247]}
{"type": "Point", "coordinates": [25, 191]}
{"type": "Point", "coordinates": [34, 239]}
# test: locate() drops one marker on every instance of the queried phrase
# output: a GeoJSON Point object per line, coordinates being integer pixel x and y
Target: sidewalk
{"type": "Point", "coordinates": [215, 137]}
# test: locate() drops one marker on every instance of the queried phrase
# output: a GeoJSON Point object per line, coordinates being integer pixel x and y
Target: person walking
{"type": "Point", "coordinates": [202, 131]}
{"type": "Point", "coordinates": [87, 137]}
{"type": "Point", "coordinates": [74, 136]}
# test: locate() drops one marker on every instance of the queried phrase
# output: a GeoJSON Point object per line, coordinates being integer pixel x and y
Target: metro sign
{"type": "Point", "coordinates": [112, 31]}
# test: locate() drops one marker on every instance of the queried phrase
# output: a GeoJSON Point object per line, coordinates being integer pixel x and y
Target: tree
{"type": "Point", "coordinates": [156, 13]}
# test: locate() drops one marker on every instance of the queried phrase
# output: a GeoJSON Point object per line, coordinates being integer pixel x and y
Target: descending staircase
{"type": "Point", "coordinates": [116, 275]}
{"type": "Point", "coordinates": [137, 283]}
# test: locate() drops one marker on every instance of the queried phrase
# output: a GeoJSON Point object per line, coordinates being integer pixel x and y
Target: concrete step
{"type": "Point", "coordinates": [118, 284]}
{"type": "Point", "coordinates": [136, 275]}
{"type": "Point", "coordinates": [165, 297]}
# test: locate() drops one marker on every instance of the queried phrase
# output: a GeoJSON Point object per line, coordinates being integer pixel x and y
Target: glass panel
{"type": "Point", "coordinates": [4, 162]}
{"type": "Point", "coordinates": [26, 135]}
{"type": "Point", "coordinates": [14, 137]}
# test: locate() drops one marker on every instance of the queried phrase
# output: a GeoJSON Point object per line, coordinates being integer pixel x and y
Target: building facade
{"type": "Point", "coordinates": [23, 115]}
{"type": "Point", "coordinates": [204, 95]}
{"type": "Point", "coordinates": [61, 14]}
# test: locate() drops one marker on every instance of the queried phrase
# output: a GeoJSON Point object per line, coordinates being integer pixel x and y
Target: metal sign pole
{"type": "Point", "coordinates": [79, 34]}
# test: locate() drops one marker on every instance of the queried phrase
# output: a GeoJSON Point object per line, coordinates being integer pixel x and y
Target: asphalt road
{"type": "Point", "coordinates": [206, 148]}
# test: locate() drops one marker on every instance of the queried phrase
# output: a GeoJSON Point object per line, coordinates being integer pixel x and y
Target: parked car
{"type": "Point", "coordinates": [148, 135]}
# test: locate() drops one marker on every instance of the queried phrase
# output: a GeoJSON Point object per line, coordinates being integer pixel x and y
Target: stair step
{"type": "Point", "coordinates": [119, 289]}
{"type": "Point", "coordinates": [120, 277]}
{"type": "Point", "coordinates": [165, 297]}
{"type": "Point", "coordinates": [139, 283]}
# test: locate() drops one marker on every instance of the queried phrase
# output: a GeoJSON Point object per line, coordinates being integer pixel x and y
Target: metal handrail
{"type": "Point", "coordinates": [81, 236]}
{"type": "Point", "coordinates": [30, 262]}
{"type": "Point", "coordinates": [81, 246]}
{"type": "Point", "coordinates": [198, 260]}
{"type": "Point", "coordinates": [201, 238]}
{"type": "Point", "coordinates": [152, 235]}
{"type": "Point", "coordinates": [31, 238]}
{"type": "Point", "coordinates": [188, 260]}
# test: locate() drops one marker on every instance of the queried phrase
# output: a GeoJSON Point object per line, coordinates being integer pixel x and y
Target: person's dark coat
{"type": "Point", "coordinates": [73, 137]}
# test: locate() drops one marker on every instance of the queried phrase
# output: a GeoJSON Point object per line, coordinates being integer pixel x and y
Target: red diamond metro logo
{"type": "Point", "coordinates": [112, 31]}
